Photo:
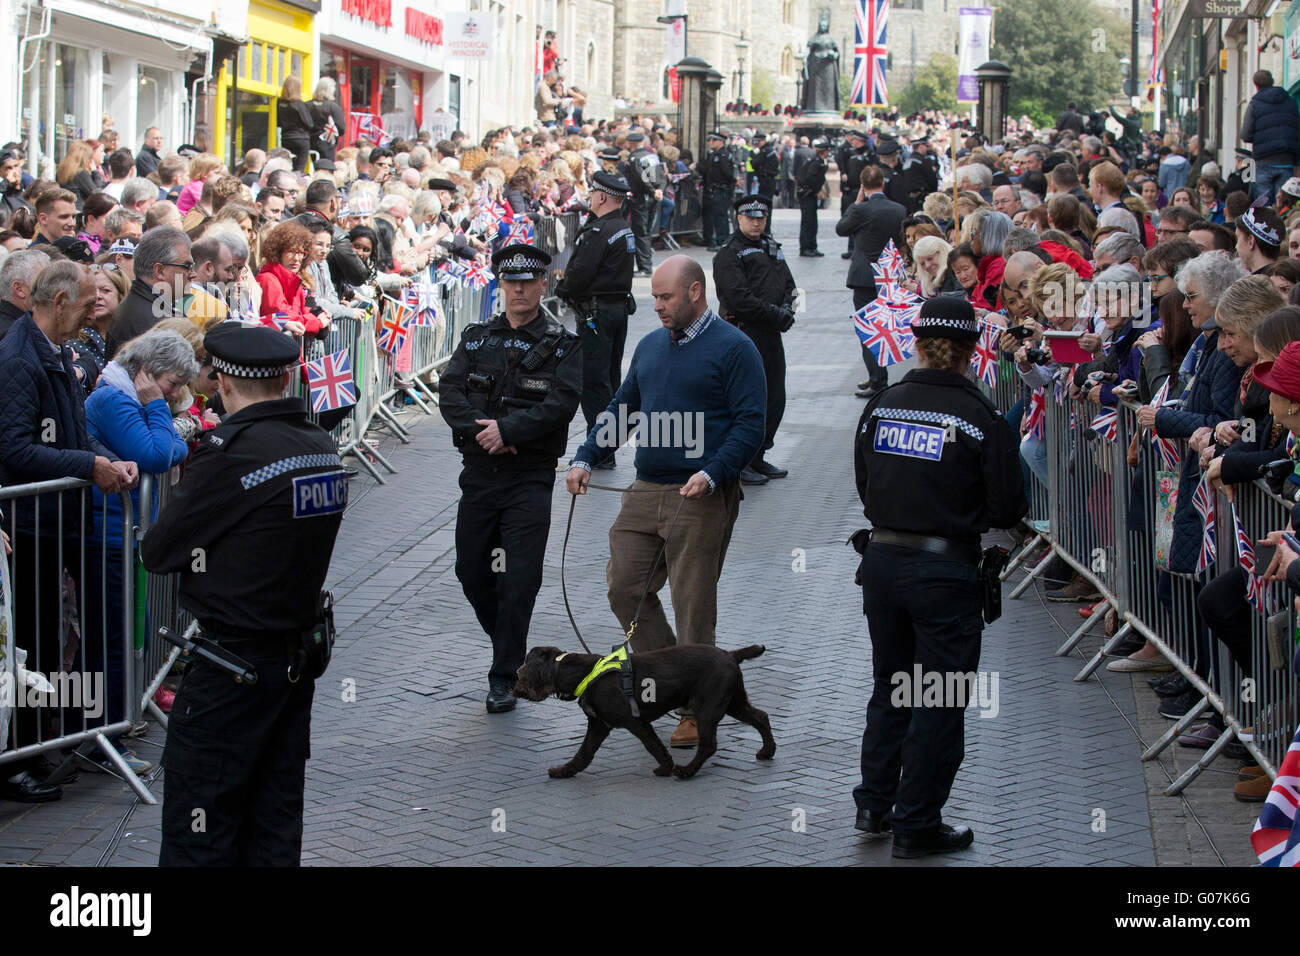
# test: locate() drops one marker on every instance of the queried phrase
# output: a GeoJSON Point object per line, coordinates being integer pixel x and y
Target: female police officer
{"type": "Point", "coordinates": [936, 466]}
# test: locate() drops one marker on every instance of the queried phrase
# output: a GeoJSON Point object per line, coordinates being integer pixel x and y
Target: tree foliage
{"type": "Point", "coordinates": [933, 87]}
{"type": "Point", "coordinates": [1058, 51]}
{"type": "Point", "coordinates": [762, 87]}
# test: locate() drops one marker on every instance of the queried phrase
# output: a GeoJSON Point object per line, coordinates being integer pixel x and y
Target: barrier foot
{"type": "Point", "coordinates": [1176, 730]}
{"type": "Point", "coordinates": [1090, 668]}
{"type": "Point", "coordinates": [429, 393]}
{"type": "Point", "coordinates": [125, 772]}
{"type": "Point", "coordinates": [669, 242]}
{"type": "Point", "coordinates": [416, 397]}
{"type": "Point", "coordinates": [391, 421]}
{"type": "Point", "coordinates": [1029, 578]}
{"type": "Point", "coordinates": [373, 451]}
{"type": "Point", "coordinates": [1073, 640]}
{"type": "Point", "coordinates": [1195, 770]}
{"type": "Point", "coordinates": [1020, 558]}
{"type": "Point", "coordinates": [146, 701]}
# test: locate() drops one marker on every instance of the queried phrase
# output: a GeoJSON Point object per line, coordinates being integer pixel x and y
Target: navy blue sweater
{"type": "Point", "coordinates": [717, 378]}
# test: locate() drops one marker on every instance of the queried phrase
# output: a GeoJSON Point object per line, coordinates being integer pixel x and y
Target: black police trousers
{"type": "Point", "coordinates": [808, 223]}
{"type": "Point", "coordinates": [716, 225]}
{"type": "Point", "coordinates": [501, 529]}
{"type": "Point", "coordinates": [877, 375]}
{"type": "Point", "coordinates": [772, 351]}
{"type": "Point", "coordinates": [602, 357]}
{"type": "Point", "coordinates": [236, 758]}
{"type": "Point", "coordinates": [922, 611]}
{"type": "Point", "coordinates": [645, 226]}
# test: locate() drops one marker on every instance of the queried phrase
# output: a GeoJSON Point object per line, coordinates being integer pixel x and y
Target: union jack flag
{"type": "Point", "coordinates": [1256, 587]}
{"type": "Point", "coordinates": [1167, 447]}
{"type": "Point", "coordinates": [280, 320]}
{"type": "Point", "coordinates": [520, 230]}
{"type": "Point", "coordinates": [329, 379]}
{"type": "Point", "coordinates": [449, 270]}
{"type": "Point", "coordinates": [331, 131]}
{"type": "Point", "coordinates": [476, 274]}
{"type": "Point", "coordinates": [1106, 425]}
{"type": "Point", "coordinates": [394, 325]}
{"type": "Point", "coordinates": [870, 56]}
{"type": "Point", "coordinates": [1203, 502]}
{"type": "Point", "coordinates": [1276, 837]}
{"type": "Point", "coordinates": [1035, 422]}
{"type": "Point", "coordinates": [371, 127]}
{"type": "Point", "coordinates": [423, 298]}
{"type": "Point", "coordinates": [887, 339]}
{"type": "Point", "coordinates": [984, 363]}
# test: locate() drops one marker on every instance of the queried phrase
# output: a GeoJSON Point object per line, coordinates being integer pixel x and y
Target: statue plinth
{"type": "Point", "coordinates": [820, 123]}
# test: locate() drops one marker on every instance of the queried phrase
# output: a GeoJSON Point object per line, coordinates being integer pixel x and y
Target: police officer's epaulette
{"type": "Point", "coordinates": [472, 335]}
{"type": "Point", "coordinates": [555, 328]}
{"type": "Point", "coordinates": [221, 437]}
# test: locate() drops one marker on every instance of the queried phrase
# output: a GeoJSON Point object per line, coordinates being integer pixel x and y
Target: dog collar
{"type": "Point", "coordinates": [610, 662]}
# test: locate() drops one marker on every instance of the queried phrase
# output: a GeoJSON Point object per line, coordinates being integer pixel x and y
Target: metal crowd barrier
{"type": "Point", "coordinates": [1103, 524]}
{"type": "Point", "coordinates": [60, 585]}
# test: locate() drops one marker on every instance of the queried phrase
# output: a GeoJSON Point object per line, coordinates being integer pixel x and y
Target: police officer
{"type": "Point", "coordinates": [852, 157]}
{"type": "Point", "coordinates": [756, 294]}
{"type": "Point", "coordinates": [922, 172]}
{"type": "Point", "coordinates": [509, 392]}
{"type": "Point", "coordinates": [610, 159]}
{"type": "Point", "coordinates": [719, 175]}
{"type": "Point", "coordinates": [936, 466]}
{"type": "Point", "coordinates": [646, 176]}
{"type": "Point", "coordinates": [808, 187]}
{"type": "Point", "coordinates": [598, 283]}
{"type": "Point", "coordinates": [896, 186]}
{"type": "Point", "coordinates": [767, 166]}
{"type": "Point", "coordinates": [250, 529]}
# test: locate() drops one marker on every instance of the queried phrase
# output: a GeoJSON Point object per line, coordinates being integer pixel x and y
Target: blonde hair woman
{"type": "Point", "coordinates": [296, 121]}
{"type": "Point", "coordinates": [76, 173]}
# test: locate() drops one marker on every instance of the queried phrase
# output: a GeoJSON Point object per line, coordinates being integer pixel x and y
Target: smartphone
{"type": "Point", "coordinates": [1264, 557]}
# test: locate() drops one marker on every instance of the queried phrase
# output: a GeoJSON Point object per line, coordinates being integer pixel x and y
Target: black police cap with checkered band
{"type": "Point", "coordinates": [250, 351]}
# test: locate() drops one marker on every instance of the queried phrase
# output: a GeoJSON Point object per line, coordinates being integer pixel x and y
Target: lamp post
{"type": "Point", "coordinates": [994, 78]}
{"type": "Point", "coordinates": [742, 46]}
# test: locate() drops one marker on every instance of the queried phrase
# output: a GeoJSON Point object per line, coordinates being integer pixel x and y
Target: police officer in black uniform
{"type": "Point", "coordinates": [509, 392]}
{"type": "Point", "coordinates": [250, 528]}
{"type": "Point", "coordinates": [598, 284]}
{"type": "Point", "coordinates": [719, 175]}
{"type": "Point", "coordinates": [922, 173]}
{"type": "Point", "coordinates": [756, 294]}
{"type": "Point", "coordinates": [896, 185]}
{"type": "Point", "coordinates": [646, 177]}
{"type": "Point", "coordinates": [936, 466]}
{"type": "Point", "coordinates": [767, 166]}
{"type": "Point", "coordinates": [852, 157]}
{"type": "Point", "coordinates": [808, 186]}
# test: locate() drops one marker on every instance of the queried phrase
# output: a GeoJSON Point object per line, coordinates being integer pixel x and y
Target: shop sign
{"type": "Point", "coordinates": [423, 27]}
{"type": "Point", "coordinates": [378, 12]}
{"type": "Point", "coordinates": [1214, 9]}
{"type": "Point", "coordinates": [469, 36]}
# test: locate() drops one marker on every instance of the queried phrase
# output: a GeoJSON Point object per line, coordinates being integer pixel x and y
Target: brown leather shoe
{"type": "Point", "coordinates": [687, 734]}
{"type": "Point", "coordinates": [1254, 790]}
{"type": "Point", "coordinates": [1249, 773]}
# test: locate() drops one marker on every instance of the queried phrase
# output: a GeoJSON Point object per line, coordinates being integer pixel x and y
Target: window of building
{"type": "Point", "coordinates": [910, 4]}
{"type": "Point", "coordinates": [787, 62]}
{"type": "Point", "coordinates": [591, 66]}
{"type": "Point", "coordinates": [154, 100]}
{"type": "Point", "coordinates": [787, 12]}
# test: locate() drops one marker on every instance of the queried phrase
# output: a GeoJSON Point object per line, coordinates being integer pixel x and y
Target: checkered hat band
{"type": "Point", "coordinates": [519, 263]}
{"type": "Point", "coordinates": [924, 322]}
{"type": "Point", "coordinates": [752, 209]}
{"type": "Point", "coordinates": [621, 193]}
{"type": "Point", "coordinates": [245, 371]}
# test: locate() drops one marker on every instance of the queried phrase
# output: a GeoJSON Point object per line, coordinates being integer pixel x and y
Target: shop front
{"type": "Point", "coordinates": [1291, 52]}
{"type": "Point", "coordinates": [91, 64]}
{"type": "Point", "coordinates": [280, 45]}
{"type": "Point", "coordinates": [388, 59]}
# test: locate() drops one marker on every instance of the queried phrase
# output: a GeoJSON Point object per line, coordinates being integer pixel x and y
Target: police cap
{"type": "Point", "coordinates": [609, 154]}
{"type": "Point", "coordinates": [859, 133]}
{"type": "Point", "coordinates": [635, 136]}
{"type": "Point", "coordinates": [716, 135]}
{"type": "Point", "coordinates": [250, 351]}
{"type": "Point", "coordinates": [610, 183]}
{"type": "Point", "coordinates": [947, 317]}
{"type": "Point", "coordinates": [759, 136]}
{"type": "Point", "coordinates": [519, 262]}
{"type": "Point", "coordinates": [446, 184]}
{"type": "Point", "coordinates": [820, 143]}
{"type": "Point", "coordinates": [756, 207]}
{"type": "Point", "coordinates": [887, 147]}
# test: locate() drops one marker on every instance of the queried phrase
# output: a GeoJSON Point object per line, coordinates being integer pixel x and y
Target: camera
{"type": "Point", "coordinates": [1038, 356]}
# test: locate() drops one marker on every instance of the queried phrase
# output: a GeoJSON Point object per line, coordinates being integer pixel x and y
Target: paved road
{"type": "Point", "coordinates": [408, 769]}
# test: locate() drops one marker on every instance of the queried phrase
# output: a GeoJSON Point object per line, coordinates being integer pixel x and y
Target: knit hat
{"type": "Point", "coordinates": [947, 317]}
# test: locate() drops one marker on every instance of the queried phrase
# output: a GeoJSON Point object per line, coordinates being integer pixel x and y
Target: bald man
{"type": "Point", "coordinates": [696, 397]}
{"type": "Point", "coordinates": [1019, 270]}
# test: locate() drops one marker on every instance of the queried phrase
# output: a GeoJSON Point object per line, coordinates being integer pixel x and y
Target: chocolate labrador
{"type": "Point", "coordinates": [704, 679]}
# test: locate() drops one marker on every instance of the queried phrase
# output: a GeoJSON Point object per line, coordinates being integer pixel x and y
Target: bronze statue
{"type": "Point", "coordinates": [821, 71]}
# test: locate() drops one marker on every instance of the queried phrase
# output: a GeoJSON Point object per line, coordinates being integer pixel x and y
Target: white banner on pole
{"type": "Point", "coordinates": [468, 36]}
{"type": "Point", "coordinates": [676, 32]}
{"type": "Point", "coordinates": [974, 26]}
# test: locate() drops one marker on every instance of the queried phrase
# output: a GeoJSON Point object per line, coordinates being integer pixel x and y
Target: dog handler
{"type": "Point", "coordinates": [509, 392]}
{"type": "Point", "coordinates": [250, 529]}
{"type": "Point", "coordinates": [936, 466]}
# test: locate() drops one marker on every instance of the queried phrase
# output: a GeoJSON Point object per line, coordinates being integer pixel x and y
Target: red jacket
{"type": "Point", "coordinates": [1060, 253]}
{"type": "Point", "coordinates": [283, 295]}
{"type": "Point", "coordinates": [990, 281]}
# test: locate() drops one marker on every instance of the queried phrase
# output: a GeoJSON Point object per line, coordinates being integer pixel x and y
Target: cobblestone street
{"type": "Point", "coordinates": [415, 772]}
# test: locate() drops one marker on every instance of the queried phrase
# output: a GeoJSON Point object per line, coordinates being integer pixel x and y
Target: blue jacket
{"type": "Point", "coordinates": [42, 425]}
{"type": "Point", "coordinates": [142, 434]}
{"type": "Point", "coordinates": [1272, 126]}
{"type": "Point", "coordinates": [1209, 399]}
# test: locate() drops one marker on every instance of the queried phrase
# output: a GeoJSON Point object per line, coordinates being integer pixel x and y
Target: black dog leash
{"type": "Point", "coordinates": [564, 590]}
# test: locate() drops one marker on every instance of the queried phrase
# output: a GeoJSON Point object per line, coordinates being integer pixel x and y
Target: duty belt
{"type": "Point", "coordinates": [943, 547]}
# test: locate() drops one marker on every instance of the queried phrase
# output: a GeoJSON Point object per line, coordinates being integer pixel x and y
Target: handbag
{"type": "Point", "coordinates": [1165, 504]}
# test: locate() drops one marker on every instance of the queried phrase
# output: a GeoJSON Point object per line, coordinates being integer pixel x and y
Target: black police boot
{"type": "Point", "coordinates": [501, 696]}
{"type": "Point", "coordinates": [940, 839]}
{"type": "Point", "coordinates": [767, 469]}
{"type": "Point", "coordinates": [873, 822]}
{"type": "Point", "coordinates": [748, 476]}
{"type": "Point", "coordinates": [24, 788]}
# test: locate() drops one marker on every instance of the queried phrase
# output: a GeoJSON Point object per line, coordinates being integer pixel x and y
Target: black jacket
{"type": "Point", "coordinates": [754, 284]}
{"type": "Point", "coordinates": [82, 186]}
{"type": "Point", "coordinates": [602, 260]}
{"type": "Point", "coordinates": [135, 315]}
{"type": "Point", "coordinates": [717, 170]}
{"type": "Point", "coordinates": [766, 162]}
{"type": "Point", "coordinates": [851, 162]}
{"type": "Point", "coordinates": [811, 177]}
{"type": "Point", "coordinates": [322, 112]}
{"type": "Point", "coordinates": [263, 497]}
{"type": "Point", "coordinates": [11, 197]}
{"type": "Point", "coordinates": [146, 161]}
{"type": "Point", "coordinates": [38, 386]}
{"type": "Point", "coordinates": [917, 474]}
{"type": "Point", "coordinates": [9, 315]}
{"type": "Point", "coordinates": [872, 223]}
{"type": "Point", "coordinates": [532, 408]}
